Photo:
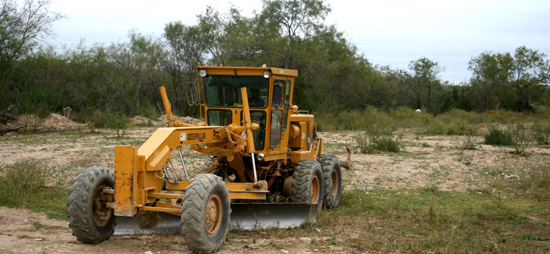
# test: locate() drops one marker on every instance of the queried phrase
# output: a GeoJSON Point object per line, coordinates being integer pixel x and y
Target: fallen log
{"type": "Point", "coordinates": [4, 131]}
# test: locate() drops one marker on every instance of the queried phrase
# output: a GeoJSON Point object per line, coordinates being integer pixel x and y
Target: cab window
{"type": "Point", "coordinates": [225, 90]}
{"type": "Point", "coordinates": [218, 117]}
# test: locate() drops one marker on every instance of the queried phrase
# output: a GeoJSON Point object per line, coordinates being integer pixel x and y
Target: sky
{"type": "Point", "coordinates": [389, 32]}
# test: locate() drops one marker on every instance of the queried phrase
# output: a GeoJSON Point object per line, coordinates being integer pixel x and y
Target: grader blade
{"type": "Point", "coordinates": [160, 223]}
{"type": "Point", "coordinates": [271, 215]}
{"type": "Point", "coordinates": [243, 217]}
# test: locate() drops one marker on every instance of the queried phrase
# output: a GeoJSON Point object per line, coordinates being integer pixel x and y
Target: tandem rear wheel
{"type": "Point", "coordinates": [307, 184]}
{"type": "Point", "coordinates": [332, 178]}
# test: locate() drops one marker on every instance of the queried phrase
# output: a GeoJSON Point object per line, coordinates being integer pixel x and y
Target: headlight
{"type": "Point", "coordinates": [260, 157]}
{"type": "Point", "coordinates": [202, 73]}
{"type": "Point", "coordinates": [266, 74]}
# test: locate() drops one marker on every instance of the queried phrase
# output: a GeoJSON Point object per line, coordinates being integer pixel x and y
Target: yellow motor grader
{"type": "Point", "coordinates": [266, 167]}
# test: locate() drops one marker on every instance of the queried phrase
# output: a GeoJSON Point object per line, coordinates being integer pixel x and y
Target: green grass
{"type": "Point", "coordinates": [28, 184]}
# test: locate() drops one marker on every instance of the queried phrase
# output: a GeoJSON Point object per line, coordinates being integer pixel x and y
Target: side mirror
{"type": "Point", "coordinates": [192, 94]}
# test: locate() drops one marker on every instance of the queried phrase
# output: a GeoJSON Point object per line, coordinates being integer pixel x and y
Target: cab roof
{"type": "Point", "coordinates": [233, 70]}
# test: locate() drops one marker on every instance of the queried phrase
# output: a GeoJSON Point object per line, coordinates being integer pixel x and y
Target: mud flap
{"type": "Point", "coordinates": [243, 217]}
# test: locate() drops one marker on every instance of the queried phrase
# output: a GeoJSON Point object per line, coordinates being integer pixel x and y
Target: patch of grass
{"type": "Point", "coordinates": [36, 225]}
{"type": "Point", "coordinates": [532, 184]}
{"type": "Point", "coordinates": [425, 221]}
{"type": "Point", "coordinates": [27, 184]}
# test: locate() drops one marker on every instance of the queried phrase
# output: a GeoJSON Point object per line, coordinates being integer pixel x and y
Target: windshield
{"type": "Point", "coordinates": [225, 90]}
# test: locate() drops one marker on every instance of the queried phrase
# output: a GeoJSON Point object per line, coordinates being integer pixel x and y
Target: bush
{"type": "Point", "coordinates": [386, 144]}
{"type": "Point", "coordinates": [498, 137]}
{"type": "Point", "coordinates": [541, 133]}
{"type": "Point", "coordinates": [21, 181]}
{"type": "Point", "coordinates": [377, 140]}
{"type": "Point", "coordinates": [467, 144]}
{"type": "Point", "coordinates": [114, 121]}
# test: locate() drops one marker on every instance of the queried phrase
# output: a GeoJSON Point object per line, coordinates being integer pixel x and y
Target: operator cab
{"type": "Point", "coordinates": [269, 95]}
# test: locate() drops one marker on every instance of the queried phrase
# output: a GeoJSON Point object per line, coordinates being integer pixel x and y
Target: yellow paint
{"type": "Point", "coordinates": [125, 180]}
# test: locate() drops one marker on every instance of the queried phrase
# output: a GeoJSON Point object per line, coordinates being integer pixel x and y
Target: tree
{"type": "Point", "coordinates": [424, 83]}
{"type": "Point", "coordinates": [516, 82]}
{"type": "Point", "coordinates": [293, 17]}
{"type": "Point", "coordinates": [21, 28]}
{"type": "Point", "coordinates": [187, 48]}
{"type": "Point", "coordinates": [20, 31]}
{"type": "Point", "coordinates": [490, 75]}
{"type": "Point", "coordinates": [529, 75]}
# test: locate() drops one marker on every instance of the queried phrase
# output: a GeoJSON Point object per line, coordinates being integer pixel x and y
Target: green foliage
{"type": "Point", "coordinates": [509, 81]}
{"type": "Point", "coordinates": [498, 137]}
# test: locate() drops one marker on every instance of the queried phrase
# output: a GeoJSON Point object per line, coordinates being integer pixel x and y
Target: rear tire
{"type": "Point", "coordinates": [307, 184]}
{"type": "Point", "coordinates": [205, 213]}
{"type": "Point", "coordinates": [89, 218]}
{"type": "Point", "coordinates": [332, 178]}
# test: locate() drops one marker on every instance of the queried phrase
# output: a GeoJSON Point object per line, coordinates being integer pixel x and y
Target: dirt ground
{"type": "Point", "coordinates": [424, 162]}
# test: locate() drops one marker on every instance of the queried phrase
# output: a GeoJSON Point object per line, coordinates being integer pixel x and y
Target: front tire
{"type": "Point", "coordinates": [205, 213]}
{"type": "Point", "coordinates": [307, 184]}
{"type": "Point", "coordinates": [89, 218]}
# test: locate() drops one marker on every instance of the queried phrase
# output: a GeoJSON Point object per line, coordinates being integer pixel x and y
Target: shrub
{"type": "Point", "coordinates": [386, 144]}
{"type": "Point", "coordinates": [467, 144]}
{"type": "Point", "coordinates": [498, 137]}
{"type": "Point", "coordinates": [377, 140]}
{"type": "Point", "coordinates": [520, 138]}
{"type": "Point", "coordinates": [541, 133]}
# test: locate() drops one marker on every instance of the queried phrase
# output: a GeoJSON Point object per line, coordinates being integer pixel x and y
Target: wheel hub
{"type": "Point", "coordinates": [101, 213]}
{"type": "Point", "coordinates": [315, 190]}
{"type": "Point", "coordinates": [213, 214]}
{"type": "Point", "coordinates": [334, 183]}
